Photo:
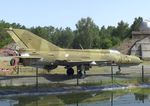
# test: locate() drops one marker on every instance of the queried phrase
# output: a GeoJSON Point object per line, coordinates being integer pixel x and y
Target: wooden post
{"type": "Point", "coordinates": [37, 78]}
{"type": "Point", "coordinates": [112, 74]}
{"type": "Point", "coordinates": [18, 69]}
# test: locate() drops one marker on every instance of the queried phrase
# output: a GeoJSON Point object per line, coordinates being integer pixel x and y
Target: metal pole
{"type": "Point", "coordinates": [77, 77]}
{"type": "Point", "coordinates": [36, 78]}
{"type": "Point", "coordinates": [142, 74]}
{"type": "Point", "coordinates": [18, 69]}
{"type": "Point", "coordinates": [112, 74]}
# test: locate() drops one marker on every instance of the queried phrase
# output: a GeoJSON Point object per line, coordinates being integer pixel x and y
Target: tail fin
{"type": "Point", "coordinates": [28, 40]}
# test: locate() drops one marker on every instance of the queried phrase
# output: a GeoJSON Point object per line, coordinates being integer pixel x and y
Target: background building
{"type": "Point", "coordinates": [141, 38]}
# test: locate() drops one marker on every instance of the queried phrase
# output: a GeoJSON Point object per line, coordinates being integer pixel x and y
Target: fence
{"type": "Point", "coordinates": [97, 75]}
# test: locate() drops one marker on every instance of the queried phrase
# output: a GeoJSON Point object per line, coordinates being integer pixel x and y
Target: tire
{"type": "Point", "coordinates": [70, 72]}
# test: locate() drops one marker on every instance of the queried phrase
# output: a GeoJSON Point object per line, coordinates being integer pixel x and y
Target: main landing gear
{"type": "Point", "coordinates": [81, 71]}
{"type": "Point", "coordinates": [70, 71]}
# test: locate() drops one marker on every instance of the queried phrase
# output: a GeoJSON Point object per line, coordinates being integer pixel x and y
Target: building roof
{"type": "Point", "coordinates": [140, 32]}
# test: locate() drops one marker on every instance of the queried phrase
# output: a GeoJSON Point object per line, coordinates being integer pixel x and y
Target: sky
{"type": "Point", "coordinates": [66, 13]}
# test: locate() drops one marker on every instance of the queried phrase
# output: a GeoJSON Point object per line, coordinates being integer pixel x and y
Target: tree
{"type": "Point", "coordinates": [106, 37]}
{"type": "Point", "coordinates": [4, 38]}
{"type": "Point", "coordinates": [136, 24]}
{"type": "Point", "coordinates": [122, 30]}
{"type": "Point", "coordinates": [63, 37]}
{"type": "Point", "coordinates": [56, 35]}
{"type": "Point", "coordinates": [86, 33]}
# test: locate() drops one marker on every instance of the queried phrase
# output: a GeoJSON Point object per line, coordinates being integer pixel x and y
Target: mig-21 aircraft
{"type": "Point", "coordinates": [37, 50]}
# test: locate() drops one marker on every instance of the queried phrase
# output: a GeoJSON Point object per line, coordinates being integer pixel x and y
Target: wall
{"type": "Point", "coordinates": [141, 47]}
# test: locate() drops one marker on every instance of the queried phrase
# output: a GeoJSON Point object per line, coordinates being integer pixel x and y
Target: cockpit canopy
{"type": "Point", "coordinates": [107, 51]}
{"type": "Point", "coordinates": [114, 51]}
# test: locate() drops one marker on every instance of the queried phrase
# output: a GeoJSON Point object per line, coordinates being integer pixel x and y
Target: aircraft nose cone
{"type": "Point", "coordinates": [141, 61]}
{"type": "Point", "coordinates": [137, 60]}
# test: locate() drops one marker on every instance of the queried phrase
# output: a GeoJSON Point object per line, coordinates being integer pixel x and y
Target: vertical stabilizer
{"type": "Point", "coordinates": [28, 40]}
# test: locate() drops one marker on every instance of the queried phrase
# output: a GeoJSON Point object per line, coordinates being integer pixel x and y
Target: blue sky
{"type": "Point", "coordinates": [66, 13]}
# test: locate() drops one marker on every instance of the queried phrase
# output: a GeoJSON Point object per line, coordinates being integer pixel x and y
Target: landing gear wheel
{"type": "Point", "coordinates": [70, 72]}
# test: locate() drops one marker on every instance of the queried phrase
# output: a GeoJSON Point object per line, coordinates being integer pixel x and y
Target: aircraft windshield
{"type": "Point", "coordinates": [115, 51]}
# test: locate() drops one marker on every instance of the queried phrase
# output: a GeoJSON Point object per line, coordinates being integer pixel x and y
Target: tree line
{"type": "Point", "coordinates": [87, 34]}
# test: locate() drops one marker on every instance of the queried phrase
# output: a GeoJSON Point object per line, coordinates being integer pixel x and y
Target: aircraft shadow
{"type": "Point", "coordinates": [50, 77]}
{"type": "Point", "coordinates": [123, 76]}
{"type": "Point", "coordinates": [58, 77]}
{"type": "Point", "coordinates": [16, 76]}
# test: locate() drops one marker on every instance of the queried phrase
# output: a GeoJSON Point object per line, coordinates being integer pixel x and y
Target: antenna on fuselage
{"type": "Point", "coordinates": [80, 46]}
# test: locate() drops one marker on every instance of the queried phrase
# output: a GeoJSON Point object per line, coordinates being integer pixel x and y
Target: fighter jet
{"type": "Point", "coordinates": [34, 49]}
